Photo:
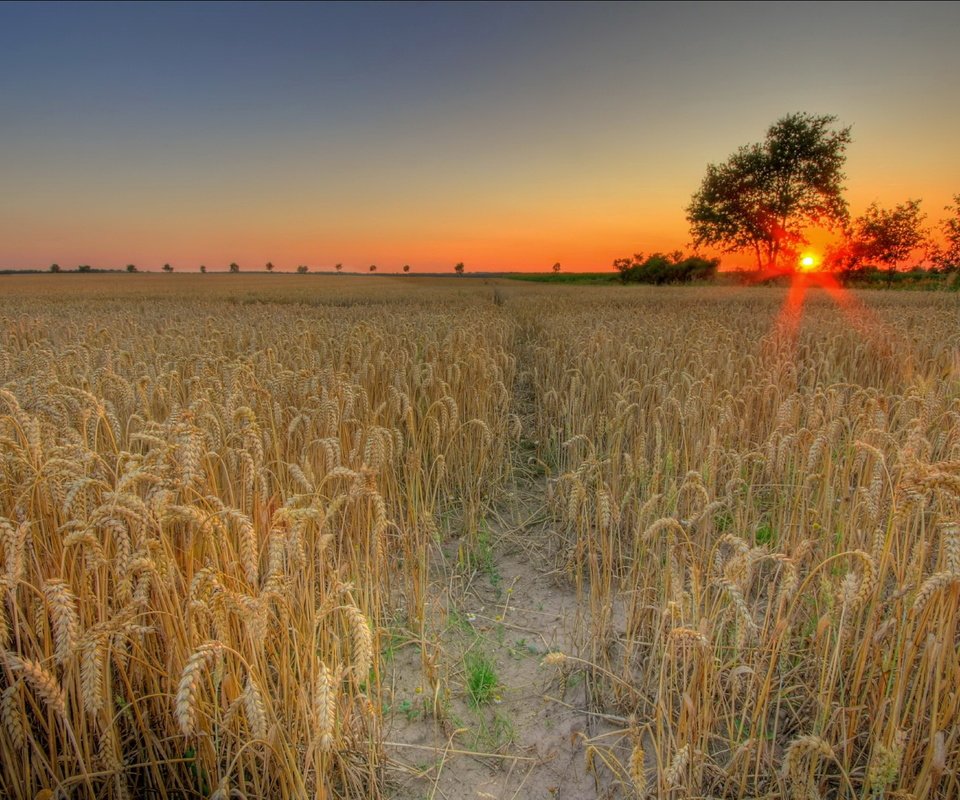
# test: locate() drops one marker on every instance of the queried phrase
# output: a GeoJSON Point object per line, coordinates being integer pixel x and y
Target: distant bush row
{"type": "Point", "coordinates": [661, 268]}
{"type": "Point", "coordinates": [916, 277]}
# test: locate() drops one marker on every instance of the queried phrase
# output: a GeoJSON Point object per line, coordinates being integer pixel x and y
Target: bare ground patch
{"type": "Point", "coordinates": [502, 613]}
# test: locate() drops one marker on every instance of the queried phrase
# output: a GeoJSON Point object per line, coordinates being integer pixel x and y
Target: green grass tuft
{"type": "Point", "coordinates": [482, 680]}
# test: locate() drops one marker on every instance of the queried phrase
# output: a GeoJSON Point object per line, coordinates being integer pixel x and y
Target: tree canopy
{"type": "Point", "coordinates": [886, 237]}
{"type": "Point", "coordinates": [764, 195]}
{"type": "Point", "coordinates": [947, 257]}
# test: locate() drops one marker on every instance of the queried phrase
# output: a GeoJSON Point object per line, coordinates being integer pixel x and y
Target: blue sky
{"type": "Point", "coordinates": [506, 135]}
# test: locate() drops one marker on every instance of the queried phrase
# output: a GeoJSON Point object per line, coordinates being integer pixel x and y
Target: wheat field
{"type": "Point", "coordinates": [221, 496]}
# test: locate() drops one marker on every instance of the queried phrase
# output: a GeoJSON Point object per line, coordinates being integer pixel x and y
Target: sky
{"type": "Point", "coordinates": [506, 136]}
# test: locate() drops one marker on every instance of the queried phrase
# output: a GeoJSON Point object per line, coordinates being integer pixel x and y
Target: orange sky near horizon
{"type": "Point", "coordinates": [506, 138]}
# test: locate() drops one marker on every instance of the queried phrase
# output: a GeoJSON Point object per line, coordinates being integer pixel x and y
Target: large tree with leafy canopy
{"type": "Point", "coordinates": [762, 198]}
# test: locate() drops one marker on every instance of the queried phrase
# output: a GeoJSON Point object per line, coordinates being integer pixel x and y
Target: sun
{"type": "Point", "coordinates": [809, 262]}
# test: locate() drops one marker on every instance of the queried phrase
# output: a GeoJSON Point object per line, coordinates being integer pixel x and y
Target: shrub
{"type": "Point", "coordinates": [661, 268]}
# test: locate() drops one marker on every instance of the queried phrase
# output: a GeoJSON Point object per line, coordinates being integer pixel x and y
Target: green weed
{"type": "Point", "coordinates": [482, 680]}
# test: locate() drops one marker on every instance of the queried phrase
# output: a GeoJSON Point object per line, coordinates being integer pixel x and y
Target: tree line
{"type": "Point", "coordinates": [459, 268]}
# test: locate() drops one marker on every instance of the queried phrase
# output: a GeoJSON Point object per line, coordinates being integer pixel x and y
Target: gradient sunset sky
{"type": "Point", "coordinates": [508, 136]}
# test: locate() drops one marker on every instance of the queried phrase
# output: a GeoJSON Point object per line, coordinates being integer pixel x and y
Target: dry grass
{"type": "Point", "coordinates": [762, 520]}
{"type": "Point", "coordinates": [214, 490]}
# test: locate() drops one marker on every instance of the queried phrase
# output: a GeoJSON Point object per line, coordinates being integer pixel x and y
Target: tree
{"type": "Point", "coordinates": [406, 267]}
{"type": "Point", "coordinates": [269, 266]}
{"type": "Point", "coordinates": [373, 267]}
{"type": "Point", "coordinates": [764, 195]}
{"type": "Point", "coordinates": [54, 267]}
{"type": "Point", "coordinates": [167, 268]}
{"type": "Point", "coordinates": [459, 268]}
{"type": "Point", "coordinates": [203, 268]}
{"type": "Point", "coordinates": [84, 268]}
{"type": "Point", "coordinates": [234, 266]}
{"type": "Point", "coordinates": [131, 267]}
{"type": "Point", "coordinates": [625, 265]}
{"type": "Point", "coordinates": [303, 269]}
{"type": "Point", "coordinates": [338, 267]}
{"type": "Point", "coordinates": [662, 268]}
{"type": "Point", "coordinates": [946, 258]}
{"type": "Point", "coordinates": [556, 267]}
{"type": "Point", "coordinates": [884, 237]}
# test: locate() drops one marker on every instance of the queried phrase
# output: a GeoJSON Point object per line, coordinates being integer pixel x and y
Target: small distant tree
{"type": "Point", "coordinates": [167, 268]}
{"type": "Point", "coordinates": [886, 237]}
{"type": "Point", "coordinates": [406, 267]}
{"type": "Point", "coordinates": [338, 267]}
{"type": "Point", "coordinates": [54, 267]}
{"type": "Point", "coordinates": [203, 268]}
{"type": "Point", "coordinates": [459, 268]}
{"type": "Point", "coordinates": [131, 267]}
{"type": "Point", "coordinates": [624, 265]}
{"type": "Point", "coordinates": [947, 257]}
{"type": "Point", "coordinates": [234, 266]}
{"type": "Point", "coordinates": [269, 266]}
{"type": "Point", "coordinates": [373, 267]}
{"type": "Point", "coordinates": [556, 267]}
{"type": "Point", "coordinates": [303, 269]}
{"type": "Point", "coordinates": [84, 268]}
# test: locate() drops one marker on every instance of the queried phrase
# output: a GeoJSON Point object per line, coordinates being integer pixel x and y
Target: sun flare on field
{"type": "Point", "coordinates": [809, 262]}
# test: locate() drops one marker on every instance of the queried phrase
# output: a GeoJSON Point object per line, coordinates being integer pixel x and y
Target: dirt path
{"type": "Point", "coordinates": [521, 732]}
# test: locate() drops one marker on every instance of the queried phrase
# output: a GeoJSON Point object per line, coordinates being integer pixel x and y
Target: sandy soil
{"type": "Point", "coordinates": [530, 738]}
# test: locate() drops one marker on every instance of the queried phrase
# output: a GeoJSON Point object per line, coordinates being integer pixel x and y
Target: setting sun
{"type": "Point", "coordinates": [809, 263]}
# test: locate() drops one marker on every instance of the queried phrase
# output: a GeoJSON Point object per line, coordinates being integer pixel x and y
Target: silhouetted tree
{"type": "Point", "coordinates": [303, 269]}
{"type": "Point", "coordinates": [459, 268]}
{"type": "Point", "coordinates": [269, 266]}
{"type": "Point", "coordinates": [54, 267]}
{"type": "Point", "coordinates": [167, 268]}
{"type": "Point", "coordinates": [763, 196]}
{"type": "Point", "coordinates": [84, 268]}
{"type": "Point", "coordinates": [885, 237]}
{"type": "Point", "coordinates": [203, 268]}
{"type": "Point", "coordinates": [338, 267]}
{"type": "Point", "coordinates": [373, 267]}
{"type": "Point", "coordinates": [624, 265]}
{"type": "Point", "coordinates": [556, 267]}
{"type": "Point", "coordinates": [947, 257]}
{"type": "Point", "coordinates": [406, 267]}
{"type": "Point", "coordinates": [234, 266]}
{"type": "Point", "coordinates": [131, 267]}
{"type": "Point", "coordinates": [662, 268]}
